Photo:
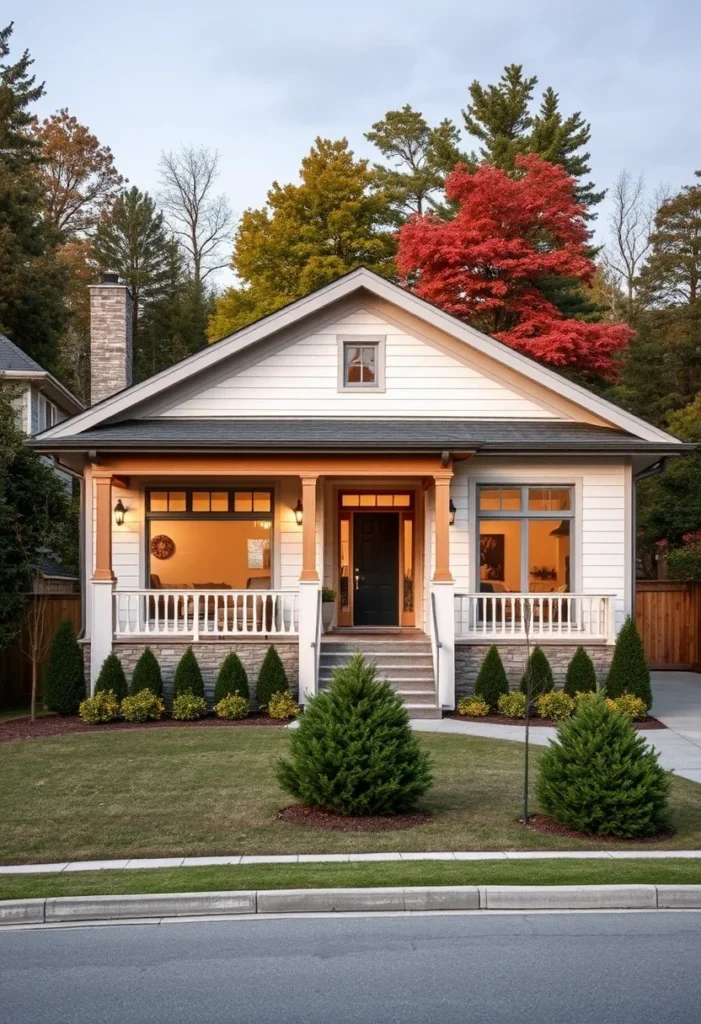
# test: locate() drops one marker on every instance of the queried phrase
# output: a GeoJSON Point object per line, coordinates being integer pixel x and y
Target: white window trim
{"type": "Point", "coordinates": [379, 340]}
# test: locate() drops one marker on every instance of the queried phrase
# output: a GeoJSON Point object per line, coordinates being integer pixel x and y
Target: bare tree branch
{"type": "Point", "coordinates": [201, 221]}
{"type": "Point", "coordinates": [630, 225]}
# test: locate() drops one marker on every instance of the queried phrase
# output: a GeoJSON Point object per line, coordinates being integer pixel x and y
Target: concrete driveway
{"type": "Point", "coordinates": [676, 701]}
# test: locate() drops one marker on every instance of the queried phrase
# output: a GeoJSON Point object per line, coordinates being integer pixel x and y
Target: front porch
{"type": "Point", "coordinates": [233, 554]}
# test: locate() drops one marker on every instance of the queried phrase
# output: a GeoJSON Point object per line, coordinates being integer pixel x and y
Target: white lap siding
{"type": "Point", "coordinates": [602, 538]}
{"type": "Point", "coordinates": [421, 380]}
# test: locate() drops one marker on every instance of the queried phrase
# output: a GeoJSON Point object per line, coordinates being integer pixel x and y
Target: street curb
{"type": "Point", "coordinates": [157, 906]}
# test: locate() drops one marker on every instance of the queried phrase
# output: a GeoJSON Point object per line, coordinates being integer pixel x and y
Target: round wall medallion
{"type": "Point", "coordinates": [162, 546]}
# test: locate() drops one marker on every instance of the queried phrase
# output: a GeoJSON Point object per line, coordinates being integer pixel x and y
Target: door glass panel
{"type": "Point", "coordinates": [345, 563]}
{"type": "Point", "coordinates": [500, 556]}
{"type": "Point", "coordinates": [350, 500]}
{"type": "Point", "coordinates": [548, 556]}
{"type": "Point", "coordinates": [402, 500]}
{"type": "Point", "coordinates": [408, 564]}
{"type": "Point", "coordinates": [367, 500]}
{"type": "Point", "coordinates": [549, 499]}
{"type": "Point", "coordinates": [385, 500]}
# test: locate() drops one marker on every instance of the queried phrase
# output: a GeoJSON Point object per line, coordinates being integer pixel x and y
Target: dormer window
{"type": "Point", "coordinates": [361, 364]}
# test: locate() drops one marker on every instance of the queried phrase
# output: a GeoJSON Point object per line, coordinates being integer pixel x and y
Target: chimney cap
{"type": "Point", "coordinates": [110, 277]}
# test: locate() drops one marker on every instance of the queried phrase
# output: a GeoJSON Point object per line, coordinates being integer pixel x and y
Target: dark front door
{"type": "Point", "coordinates": [376, 569]}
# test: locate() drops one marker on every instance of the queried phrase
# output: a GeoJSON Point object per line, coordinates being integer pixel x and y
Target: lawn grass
{"type": "Point", "coordinates": [322, 876]}
{"type": "Point", "coordinates": [194, 792]}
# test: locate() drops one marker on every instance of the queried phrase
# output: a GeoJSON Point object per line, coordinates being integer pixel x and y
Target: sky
{"type": "Point", "coordinates": [259, 81]}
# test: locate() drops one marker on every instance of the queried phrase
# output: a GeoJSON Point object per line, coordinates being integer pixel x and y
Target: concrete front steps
{"type": "Point", "coordinates": [406, 664]}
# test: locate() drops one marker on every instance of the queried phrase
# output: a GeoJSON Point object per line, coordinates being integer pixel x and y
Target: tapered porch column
{"type": "Point", "coordinates": [309, 595]}
{"type": "Point", "coordinates": [102, 582]}
{"type": "Point", "coordinates": [442, 597]}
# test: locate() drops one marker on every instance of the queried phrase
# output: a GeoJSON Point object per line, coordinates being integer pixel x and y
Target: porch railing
{"type": "Point", "coordinates": [200, 613]}
{"type": "Point", "coordinates": [562, 616]}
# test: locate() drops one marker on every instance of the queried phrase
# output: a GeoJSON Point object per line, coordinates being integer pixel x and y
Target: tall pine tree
{"type": "Point", "coordinates": [32, 281]}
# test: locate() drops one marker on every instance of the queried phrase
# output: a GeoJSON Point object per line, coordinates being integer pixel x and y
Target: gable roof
{"type": "Point", "coordinates": [13, 358]}
{"type": "Point", "coordinates": [357, 281]}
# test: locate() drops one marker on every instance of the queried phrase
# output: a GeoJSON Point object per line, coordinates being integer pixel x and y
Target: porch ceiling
{"type": "Point", "coordinates": [257, 435]}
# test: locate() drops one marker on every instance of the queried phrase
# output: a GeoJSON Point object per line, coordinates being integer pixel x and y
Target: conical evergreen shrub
{"type": "Point", "coordinates": [64, 674]}
{"type": "Point", "coordinates": [541, 674]}
{"type": "Point", "coordinates": [629, 672]}
{"type": "Point", "coordinates": [232, 678]}
{"type": "Point", "coordinates": [112, 678]}
{"type": "Point", "coordinates": [147, 674]}
{"type": "Point", "coordinates": [188, 676]}
{"type": "Point", "coordinates": [601, 777]}
{"type": "Point", "coordinates": [354, 752]}
{"type": "Point", "coordinates": [491, 682]}
{"type": "Point", "coordinates": [581, 675]}
{"type": "Point", "coordinates": [272, 678]}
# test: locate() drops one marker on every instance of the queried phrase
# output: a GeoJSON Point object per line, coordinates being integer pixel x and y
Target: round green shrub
{"type": "Point", "coordinates": [188, 676]}
{"type": "Point", "coordinates": [354, 752]}
{"type": "Point", "coordinates": [231, 678]}
{"type": "Point", "coordinates": [556, 705]}
{"type": "Point", "coordinates": [282, 705]}
{"type": "Point", "coordinates": [581, 675]}
{"type": "Point", "coordinates": [147, 674]}
{"type": "Point", "coordinates": [512, 705]}
{"type": "Point", "coordinates": [233, 705]}
{"type": "Point", "coordinates": [103, 707]}
{"type": "Point", "coordinates": [473, 707]}
{"type": "Point", "coordinates": [541, 674]}
{"type": "Point", "coordinates": [628, 706]}
{"type": "Point", "coordinates": [112, 678]}
{"type": "Point", "coordinates": [144, 706]}
{"type": "Point", "coordinates": [629, 672]}
{"type": "Point", "coordinates": [64, 674]}
{"type": "Point", "coordinates": [491, 682]}
{"type": "Point", "coordinates": [188, 706]}
{"type": "Point", "coordinates": [601, 777]}
{"type": "Point", "coordinates": [272, 678]}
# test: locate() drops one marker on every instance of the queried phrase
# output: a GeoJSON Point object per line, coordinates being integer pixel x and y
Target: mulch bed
{"type": "Point", "coordinates": [646, 723]}
{"type": "Point", "coordinates": [54, 725]}
{"type": "Point", "coordinates": [310, 817]}
{"type": "Point", "coordinates": [547, 826]}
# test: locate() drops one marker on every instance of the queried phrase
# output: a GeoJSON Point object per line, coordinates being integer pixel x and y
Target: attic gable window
{"type": "Point", "coordinates": [361, 363]}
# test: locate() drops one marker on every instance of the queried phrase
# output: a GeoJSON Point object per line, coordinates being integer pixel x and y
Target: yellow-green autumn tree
{"type": "Point", "coordinates": [306, 236]}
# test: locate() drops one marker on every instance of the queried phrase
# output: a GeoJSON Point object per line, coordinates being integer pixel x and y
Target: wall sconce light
{"type": "Point", "coordinates": [119, 512]}
{"type": "Point", "coordinates": [451, 512]}
{"type": "Point", "coordinates": [299, 511]}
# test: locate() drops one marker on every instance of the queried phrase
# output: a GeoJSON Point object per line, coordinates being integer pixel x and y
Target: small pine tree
{"type": "Point", "coordinates": [188, 676]}
{"type": "Point", "coordinates": [491, 682]}
{"type": "Point", "coordinates": [601, 777]}
{"type": "Point", "coordinates": [147, 675]}
{"type": "Point", "coordinates": [112, 678]}
{"type": "Point", "coordinates": [272, 678]}
{"type": "Point", "coordinates": [354, 752]}
{"type": "Point", "coordinates": [629, 672]}
{"type": "Point", "coordinates": [232, 678]}
{"type": "Point", "coordinates": [64, 675]}
{"type": "Point", "coordinates": [581, 675]}
{"type": "Point", "coordinates": [541, 674]}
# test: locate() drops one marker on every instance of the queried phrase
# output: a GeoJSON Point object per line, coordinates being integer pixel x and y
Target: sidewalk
{"type": "Point", "coordinates": [341, 858]}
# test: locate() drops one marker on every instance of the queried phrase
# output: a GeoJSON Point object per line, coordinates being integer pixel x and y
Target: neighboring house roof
{"type": "Point", "coordinates": [13, 358]}
{"type": "Point", "coordinates": [360, 283]}
{"type": "Point", "coordinates": [295, 434]}
{"type": "Point", "coordinates": [51, 569]}
{"type": "Point", "coordinates": [16, 365]}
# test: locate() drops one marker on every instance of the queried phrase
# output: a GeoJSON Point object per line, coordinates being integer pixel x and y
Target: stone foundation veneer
{"type": "Point", "coordinates": [469, 657]}
{"type": "Point", "coordinates": [210, 654]}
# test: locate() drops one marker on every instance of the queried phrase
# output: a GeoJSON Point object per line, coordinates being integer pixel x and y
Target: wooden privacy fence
{"type": "Point", "coordinates": [15, 665]}
{"type": "Point", "coordinates": [668, 616]}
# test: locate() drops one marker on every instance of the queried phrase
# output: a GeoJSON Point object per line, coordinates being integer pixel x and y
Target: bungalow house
{"type": "Point", "coordinates": [451, 492]}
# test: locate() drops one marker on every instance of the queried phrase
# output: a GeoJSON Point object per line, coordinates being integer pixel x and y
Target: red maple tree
{"type": "Point", "coordinates": [487, 265]}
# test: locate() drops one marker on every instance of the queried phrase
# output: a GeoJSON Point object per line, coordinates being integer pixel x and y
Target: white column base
{"type": "Point", "coordinates": [309, 637]}
{"type": "Point", "coordinates": [443, 601]}
{"type": "Point", "coordinates": [101, 626]}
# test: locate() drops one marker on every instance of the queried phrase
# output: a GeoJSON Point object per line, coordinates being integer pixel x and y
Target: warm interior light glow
{"type": "Point", "coordinates": [119, 510]}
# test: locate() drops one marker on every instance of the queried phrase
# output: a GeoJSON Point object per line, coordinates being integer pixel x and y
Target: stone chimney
{"type": "Point", "coordinates": [110, 338]}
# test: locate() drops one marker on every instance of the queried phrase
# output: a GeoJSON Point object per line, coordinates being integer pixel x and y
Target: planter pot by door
{"type": "Point", "coordinates": [328, 610]}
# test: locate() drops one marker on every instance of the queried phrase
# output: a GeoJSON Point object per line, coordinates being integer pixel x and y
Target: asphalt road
{"type": "Point", "coordinates": [603, 968]}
